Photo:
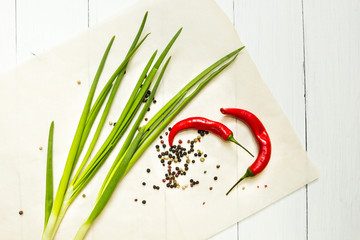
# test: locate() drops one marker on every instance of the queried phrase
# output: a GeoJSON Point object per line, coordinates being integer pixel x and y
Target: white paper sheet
{"type": "Point", "coordinates": [46, 89]}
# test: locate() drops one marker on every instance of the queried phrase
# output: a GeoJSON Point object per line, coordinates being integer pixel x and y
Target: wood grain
{"type": "Point", "coordinates": [332, 40]}
{"type": "Point", "coordinates": [272, 32]}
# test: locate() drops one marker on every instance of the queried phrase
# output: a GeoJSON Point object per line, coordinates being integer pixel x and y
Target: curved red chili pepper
{"type": "Point", "coordinates": [201, 123]}
{"type": "Point", "coordinates": [261, 136]}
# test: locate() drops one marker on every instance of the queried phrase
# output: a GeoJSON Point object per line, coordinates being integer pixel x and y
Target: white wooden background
{"type": "Point", "coordinates": [308, 52]}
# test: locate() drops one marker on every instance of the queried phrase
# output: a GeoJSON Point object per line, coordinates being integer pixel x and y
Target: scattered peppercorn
{"type": "Point", "coordinates": [110, 123]}
{"type": "Point", "coordinates": [174, 155]}
{"type": "Point", "coordinates": [218, 166]}
{"type": "Point", "coordinates": [148, 170]}
{"type": "Point", "coordinates": [210, 188]}
{"type": "Point", "coordinates": [21, 212]}
{"type": "Point", "coordinates": [148, 109]}
{"type": "Point", "coordinates": [154, 101]}
{"type": "Point", "coordinates": [135, 200]}
{"type": "Point", "coordinates": [146, 119]}
{"type": "Point", "coordinates": [84, 195]}
{"type": "Point", "coordinates": [144, 183]}
{"type": "Point", "coordinates": [40, 148]}
{"type": "Point", "coordinates": [143, 201]}
{"type": "Point", "coordinates": [114, 123]}
{"type": "Point", "coordinates": [215, 178]}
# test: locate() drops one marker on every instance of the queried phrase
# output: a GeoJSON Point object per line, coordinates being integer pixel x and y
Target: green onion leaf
{"type": "Point", "coordinates": [49, 176]}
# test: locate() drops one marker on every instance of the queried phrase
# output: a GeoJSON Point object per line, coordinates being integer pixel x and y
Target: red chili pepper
{"type": "Point", "coordinates": [261, 136]}
{"type": "Point", "coordinates": [201, 123]}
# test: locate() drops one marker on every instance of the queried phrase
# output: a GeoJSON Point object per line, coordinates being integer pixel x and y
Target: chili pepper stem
{"type": "Point", "coordinates": [232, 139]}
{"type": "Point", "coordinates": [246, 175]}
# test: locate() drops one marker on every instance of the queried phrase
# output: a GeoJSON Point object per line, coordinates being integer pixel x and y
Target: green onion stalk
{"type": "Point", "coordinates": [86, 171]}
{"type": "Point", "coordinates": [140, 138]}
{"type": "Point", "coordinates": [49, 175]}
{"type": "Point", "coordinates": [54, 212]}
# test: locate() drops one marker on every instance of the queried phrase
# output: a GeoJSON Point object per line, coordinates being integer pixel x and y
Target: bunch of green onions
{"type": "Point", "coordinates": [137, 141]}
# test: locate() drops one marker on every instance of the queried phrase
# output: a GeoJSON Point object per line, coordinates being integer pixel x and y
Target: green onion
{"type": "Point", "coordinates": [70, 162]}
{"type": "Point", "coordinates": [49, 176]}
{"type": "Point", "coordinates": [87, 118]}
{"type": "Point", "coordinates": [102, 154]}
{"type": "Point", "coordinates": [133, 148]}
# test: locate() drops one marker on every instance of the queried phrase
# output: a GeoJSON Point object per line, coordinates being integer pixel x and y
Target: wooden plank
{"type": "Point", "coordinates": [100, 10]}
{"type": "Point", "coordinates": [228, 8]}
{"type": "Point", "coordinates": [272, 32]}
{"type": "Point", "coordinates": [42, 24]}
{"type": "Point", "coordinates": [332, 40]}
{"type": "Point", "coordinates": [8, 35]}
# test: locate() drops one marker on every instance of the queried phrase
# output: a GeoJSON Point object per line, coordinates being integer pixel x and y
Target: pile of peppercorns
{"type": "Point", "coordinates": [177, 160]}
{"type": "Point", "coordinates": [174, 156]}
